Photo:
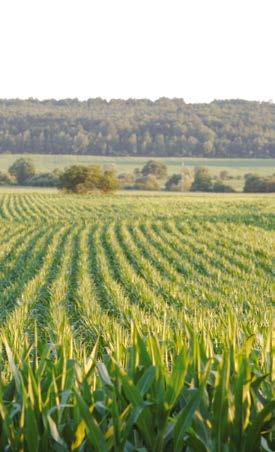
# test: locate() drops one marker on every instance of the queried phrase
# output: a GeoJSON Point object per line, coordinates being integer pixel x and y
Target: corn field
{"type": "Point", "coordinates": [136, 323]}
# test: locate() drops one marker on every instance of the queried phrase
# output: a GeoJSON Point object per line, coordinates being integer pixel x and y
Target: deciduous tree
{"type": "Point", "coordinates": [22, 169]}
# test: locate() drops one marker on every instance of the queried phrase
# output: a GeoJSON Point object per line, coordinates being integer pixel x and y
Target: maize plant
{"type": "Point", "coordinates": [136, 323]}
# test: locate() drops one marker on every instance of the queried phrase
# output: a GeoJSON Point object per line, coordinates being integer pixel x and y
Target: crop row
{"type": "Point", "coordinates": [132, 270]}
{"type": "Point", "coordinates": [136, 324]}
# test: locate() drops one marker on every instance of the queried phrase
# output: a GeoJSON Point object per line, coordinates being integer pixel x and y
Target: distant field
{"type": "Point", "coordinates": [50, 162]}
{"type": "Point", "coordinates": [236, 167]}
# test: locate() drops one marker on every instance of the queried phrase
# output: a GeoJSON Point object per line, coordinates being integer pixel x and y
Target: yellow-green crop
{"type": "Point", "coordinates": [136, 323]}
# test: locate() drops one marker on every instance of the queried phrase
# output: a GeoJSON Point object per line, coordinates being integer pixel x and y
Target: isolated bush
{"type": "Point", "coordinates": [22, 169]}
{"type": "Point", "coordinates": [80, 178]}
{"type": "Point", "coordinates": [85, 179]}
{"type": "Point", "coordinates": [155, 168]}
{"type": "Point", "coordinates": [147, 183]}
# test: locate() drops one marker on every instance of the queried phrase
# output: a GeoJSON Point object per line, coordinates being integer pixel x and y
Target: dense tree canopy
{"type": "Point", "coordinates": [166, 127]}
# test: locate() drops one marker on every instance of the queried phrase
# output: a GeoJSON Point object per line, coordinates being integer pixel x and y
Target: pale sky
{"type": "Point", "coordinates": [199, 50]}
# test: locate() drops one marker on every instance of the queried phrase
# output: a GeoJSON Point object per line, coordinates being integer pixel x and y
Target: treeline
{"type": "Point", "coordinates": [166, 127]}
{"type": "Point", "coordinates": [79, 179]}
{"type": "Point", "coordinates": [153, 175]}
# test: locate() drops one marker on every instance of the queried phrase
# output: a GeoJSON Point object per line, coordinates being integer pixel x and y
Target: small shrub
{"type": "Point", "coordinates": [147, 183]}
{"type": "Point", "coordinates": [220, 187]}
{"type": "Point", "coordinates": [43, 180]}
{"type": "Point", "coordinates": [257, 184]}
{"type": "Point", "coordinates": [6, 179]}
{"type": "Point", "coordinates": [126, 179]}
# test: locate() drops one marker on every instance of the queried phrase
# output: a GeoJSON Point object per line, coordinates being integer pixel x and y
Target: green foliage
{"type": "Point", "coordinates": [224, 175]}
{"type": "Point", "coordinates": [126, 180]}
{"type": "Point", "coordinates": [6, 178]}
{"type": "Point", "coordinates": [149, 182]}
{"type": "Point", "coordinates": [220, 187]}
{"type": "Point", "coordinates": [257, 184]}
{"type": "Point", "coordinates": [43, 180]}
{"type": "Point", "coordinates": [108, 182]}
{"type": "Point", "coordinates": [136, 323]}
{"type": "Point", "coordinates": [179, 182]}
{"type": "Point", "coordinates": [173, 183]}
{"type": "Point", "coordinates": [236, 168]}
{"type": "Point", "coordinates": [80, 178]}
{"type": "Point", "coordinates": [166, 127]}
{"type": "Point", "coordinates": [202, 181]}
{"type": "Point", "coordinates": [22, 169]}
{"type": "Point", "coordinates": [155, 168]}
{"type": "Point", "coordinates": [169, 400]}
{"type": "Point", "coordinates": [85, 179]}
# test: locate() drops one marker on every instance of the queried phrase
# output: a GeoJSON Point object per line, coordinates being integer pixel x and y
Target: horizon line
{"type": "Point", "coordinates": [153, 100]}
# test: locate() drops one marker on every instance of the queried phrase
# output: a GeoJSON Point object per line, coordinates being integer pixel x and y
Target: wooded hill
{"type": "Point", "coordinates": [166, 127]}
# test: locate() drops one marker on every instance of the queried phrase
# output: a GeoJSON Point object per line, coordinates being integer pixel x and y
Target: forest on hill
{"type": "Point", "coordinates": [165, 127]}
